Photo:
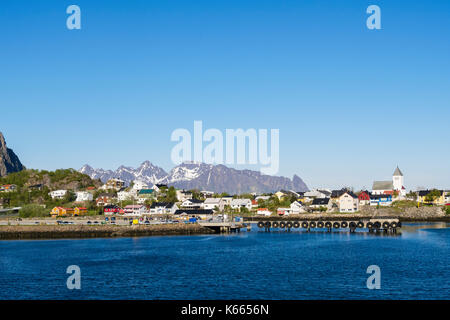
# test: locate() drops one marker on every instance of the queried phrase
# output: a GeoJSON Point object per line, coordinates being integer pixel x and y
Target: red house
{"type": "Point", "coordinates": [364, 198]}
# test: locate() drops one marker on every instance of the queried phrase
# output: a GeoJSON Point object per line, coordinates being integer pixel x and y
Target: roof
{"type": "Point", "coordinates": [194, 200]}
{"type": "Point", "coordinates": [195, 211]}
{"type": "Point", "coordinates": [161, 204]}
{"type": "Point", "coordinates": [423, 193]}
{"type": "Point", "coordinates": [240, 202]}
{"type": "Point", "coordinates": [338, 193]}
{"type": "Point", "coordinates": [379, 196]}
{"type": "Point", "coordinates": [351, 194]}
{"type": "Point", "coordinates": [382, 185]}
{"type": "Point", "coordinates": [321, 201]}
{"type": "Point", "coordinates": [133, 206]}
{"type": "Point", "coordinates": [146, 191]}
{"type": "Point", "coordinates": [212, 200]}
{"type": "Point", "coordinates": [397, 172]}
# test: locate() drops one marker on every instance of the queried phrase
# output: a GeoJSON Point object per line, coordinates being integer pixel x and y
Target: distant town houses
{"type": "Point", "coordinates": [83, 196]}
{"type": "Point", "coordinates": [192, 204]}
{"type": "Point", "coordinates": [434, 197]}
{"type": "Point", "coordinates": [146, 195]}
{"type": "Point", "coordinates": [64, 212]}
{"type": "Point", "coordinates": [139, 199]}
{"type": "Point", "coordinates": [114, 184]}
{"type": "Point", "coordinates": [163, 208]}
{"type": "Point", "coordinates": [112, 210]}
{"type": "Point", "coordinates": [348, 202]}
{"type": "Point", "coordinates": [8, 188]}
{"type": "Point", "coordinates": [213, 204]}
{"type": "Point", "coordinates": [135, 210]}
{"type": "Point", "coordinates": [58, 194]}
{"type": "Point", "coordinates": [324, 204]}
{"type": "Point", "coordinates": [381, 200]}
{"type": "Point", "coordinates": [239, 204]}
{"type": "Point", "coordinates": [105, 199]}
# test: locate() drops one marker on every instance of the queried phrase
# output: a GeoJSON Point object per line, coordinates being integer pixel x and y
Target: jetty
{"type": "Point", "coordinates": [386, 225]}
{"type": "Point", "coordinates": [223, 226]}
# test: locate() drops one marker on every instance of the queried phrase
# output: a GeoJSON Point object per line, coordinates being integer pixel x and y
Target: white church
{"type": "Point", "coordinates": [388, 187]}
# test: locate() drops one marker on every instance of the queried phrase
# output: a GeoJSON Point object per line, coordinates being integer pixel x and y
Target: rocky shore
{"type": "Point", "coordinates": [80, 231]}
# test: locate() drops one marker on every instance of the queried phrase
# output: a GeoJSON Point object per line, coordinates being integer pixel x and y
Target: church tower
{"type": "Point", "coordinates": [398, 181]}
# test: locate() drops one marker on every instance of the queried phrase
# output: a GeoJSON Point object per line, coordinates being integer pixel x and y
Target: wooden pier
{"type": "Point", "coordinates": [224, 227]}
{"type": "Point", "coordinates": [373, 224]}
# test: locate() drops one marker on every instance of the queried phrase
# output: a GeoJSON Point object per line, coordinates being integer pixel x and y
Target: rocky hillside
{"type": "Point", "coordinates": [9, 162]}
{"type": "Point", "coordinates": [217, 178]}
{"type": "Point", "coordinates": [53, 180]}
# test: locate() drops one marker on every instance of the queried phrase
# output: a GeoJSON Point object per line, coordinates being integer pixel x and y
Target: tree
{"type": "Point", "coordinates": [432, 196]}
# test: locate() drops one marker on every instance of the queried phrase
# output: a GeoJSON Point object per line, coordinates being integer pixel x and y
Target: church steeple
{"type": "Point", "coordinates": [397, 172]}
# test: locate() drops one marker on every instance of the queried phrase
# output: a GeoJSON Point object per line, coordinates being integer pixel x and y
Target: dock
{"type": "Point", "coordinates": [387, 225]}
{"type": "Point", "coordinates": [224, 227]}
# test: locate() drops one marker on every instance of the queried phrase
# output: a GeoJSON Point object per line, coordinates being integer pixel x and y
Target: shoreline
{"type": "Point", "coordinates": [45, 232]}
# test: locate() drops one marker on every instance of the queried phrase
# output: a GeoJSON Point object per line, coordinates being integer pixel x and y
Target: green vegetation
{"type": "Point", "coordinates": [447, 210]}
{"type": "Point", "coordinates": [402, 204]}
{"type": "Point", "coordinates": [432, 196]}
{"type": "Point", "coordinates": [33, 187]}
{"type": "Point", "coordinates": [32, 211]}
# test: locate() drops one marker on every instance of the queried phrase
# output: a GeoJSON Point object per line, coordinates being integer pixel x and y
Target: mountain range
{"type": "Point", "coordinates": [190, 175]}
{"type": "Point", "coordinates": [9, 162]}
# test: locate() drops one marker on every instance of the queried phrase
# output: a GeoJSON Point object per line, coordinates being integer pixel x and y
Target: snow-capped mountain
{"type": "Point", "coordinates": [190, 175]}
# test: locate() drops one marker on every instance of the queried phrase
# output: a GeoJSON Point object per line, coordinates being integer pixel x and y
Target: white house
{"type": "Point", "coordinates": [192, 204]}
{"type": "Point", "coordinates": [227, 200]}
{"type": "Point", "coordinates": [284, 211]}
{"type": "Point", "coordinates": [84, 196]}
{"type": "Point", "coordinates": [348, 202]}
{"type": "Point", "coordinates": [134, 210]}
{"type": "Point", "coordinates": [264, 212]}
{"type": "Point", "coordinates": [114, 183]}
{"type": "Point", "coordinates": [322, 203]}
{"type": "Point", "coordinates": [163, 208]}
{"type": "Point", "coordinates": [263, 198]}
{"type": "Point", "coordinates": [58, 194]}
{"type": "Point", "coordinates": [213, 203]}
{"type": "Point", "coordinates": [297, 207]}
{"type": "Point", "coordinates": [315, 194]}
{"type": "Point", "coordinates": [183, 195]}
{"type": "Point", "coordinates": [241, 203]}
{"type": "Point", "coordinates": [139, 185]}
{"type": "Point", "coordinates": [125, 195]}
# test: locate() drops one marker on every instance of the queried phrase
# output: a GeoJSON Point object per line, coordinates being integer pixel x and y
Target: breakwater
{"type": "Point", "coordinates": [80, 231]}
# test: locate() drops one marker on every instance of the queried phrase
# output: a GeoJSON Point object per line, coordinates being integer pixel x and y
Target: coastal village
{"type": "Point", "coordinates": [140, 201]}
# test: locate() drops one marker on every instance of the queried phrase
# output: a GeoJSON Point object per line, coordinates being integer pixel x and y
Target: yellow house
{"type": "Point", "coordinates": [60, 211]}
{"type": "Point", "coordinates": [79, 211]}
{"type": "Point", "coordinates": [422, 197]}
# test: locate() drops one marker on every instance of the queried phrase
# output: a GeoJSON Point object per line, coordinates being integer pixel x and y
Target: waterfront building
{"type": "Point", "coordinates": [213, 204]}
{"type": "Point", "coordinates": [348, 202]}
{"type": "Point", "coordinates": [163, 208]}
{"type": "Point", "coordinates": [381, 200]}
{"type": "Point", "coordinates": [241, 203]}
{"type": "Point", "coordinates": [192, 204]}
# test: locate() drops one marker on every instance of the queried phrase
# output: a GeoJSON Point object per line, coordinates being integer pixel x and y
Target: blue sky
{"type": "Point", "coordinates": [350, 103]}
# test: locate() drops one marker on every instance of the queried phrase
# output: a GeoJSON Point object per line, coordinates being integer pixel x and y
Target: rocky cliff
{"type": "Point", "coordinates": [9, 162]}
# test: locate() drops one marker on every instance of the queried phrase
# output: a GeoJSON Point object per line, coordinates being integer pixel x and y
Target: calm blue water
{"type": "Point", "coordinates": [250, 265]}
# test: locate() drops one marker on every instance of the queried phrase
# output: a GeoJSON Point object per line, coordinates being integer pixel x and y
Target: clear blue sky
{"type": "Point", "coordinates": [350, 103]}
